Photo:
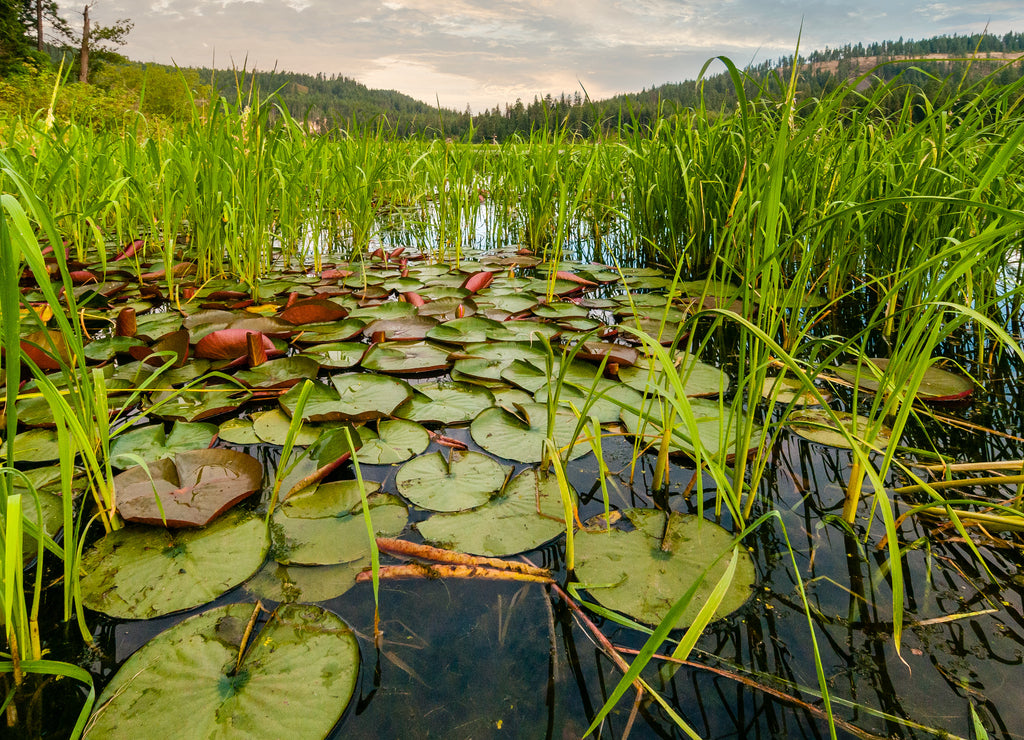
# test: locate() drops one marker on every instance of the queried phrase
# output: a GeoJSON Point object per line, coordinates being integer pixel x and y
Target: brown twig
{"type": "Point", "coordinates": [428, 570]}
{"type": "Point", "coordinates": [438, 555]}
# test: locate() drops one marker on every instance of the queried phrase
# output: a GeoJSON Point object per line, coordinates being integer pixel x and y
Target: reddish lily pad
{"type": "Point", "coordinates": [190, 490]}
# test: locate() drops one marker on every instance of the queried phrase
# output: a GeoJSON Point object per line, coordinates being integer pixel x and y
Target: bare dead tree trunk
{"type": "Point", "coordinates": [83, 68]}
{"type": "Point", "coordinates": [39, 25]}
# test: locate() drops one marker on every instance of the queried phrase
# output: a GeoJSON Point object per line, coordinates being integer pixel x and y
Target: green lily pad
{"type": "Point", "coordinates": [488, 360]}
{"type": "Point", "coordinates": [520, 435]}
{"type": "Point", "coordinates": [936, 385]}
{"type": "Point", "coordinates": [279, 373]}
{"type": "Point", "coordinates": [153, 443]}
{"type": "Point", "coordinates": [643, 572]}
{"type": "Point", "coordinates": [101, 350]}
{"type": "Point", "coordinates": [817, 425]}
{"type": "Point", "coordinates": [272, 427]}
{"type": "Point", "coordinates": [464, 481]}
{"type": "Point", "coordinates": [296, 677]}
{"type": "Point", "coordinates": [337, 355]}
{"type": "Point", "coordinates": [716, 428]}
{"type": "Point", "coordinates": [786, 390]}
{"type": "Point", "coordinates": [325, 526]}
{"type": "Point", "coordinates": [305, 583]}
{"type": "Point", "coordinates": [146, 572]}
{"type": "Point", "coordinates": [471, 330]}
{"type": "Point", "coordinates": [351, 397]}
{"type": "Point", "coordinates": [199, 403]}
{"type": "Point", "coordinates": [238, 432]}
{"type": "Point", "coordinates": [609, 398]}
{"type": "Point", "coordinates": [526, 515]}
{"type": "Point", "coordinates": [395, 441]}
{"type": "Point", "coordinates": [445, 403]}
{"type": "Point", "coordinates": [699, 378]}
{"type": "Point", "coordinates": [336, 331]}
{"type": "Point", "coordinates": [35, 445]}
{"type": "Point", "coordinates": [401, 358]}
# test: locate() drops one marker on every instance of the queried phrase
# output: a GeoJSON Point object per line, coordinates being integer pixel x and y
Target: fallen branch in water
{"type": "Point", "coordinates": [439, 555]}
{"type": "Point", "coordinates": [429, 570]}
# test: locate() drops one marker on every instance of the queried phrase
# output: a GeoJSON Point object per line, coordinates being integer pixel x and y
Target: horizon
{"type": "Point", "coordinates": [480, 53]}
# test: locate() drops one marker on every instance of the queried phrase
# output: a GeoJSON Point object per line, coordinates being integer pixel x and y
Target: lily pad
{"type": "Point", "coordinates": [146, 572]}
{"type": "Point", "coordinates": [296, 677]}
{"type": "Point", "coordinates": [817, 425]}
{"type": "Point", "coordinates": [520, 436]}
{"type": "Point", "coordinates": [471, 330]}
{"type": "Point", "coordinates": [699, 378]}
{"type": "Point", "coordinates": [716, 428]}
{"type": "Point", "coordinates": [351, 397]}
{"type": "Point", "coordinates": [325, 526]}
{"type": "Point", "coordinates": [196, 404]}
{"type": "Point", "coordinates": [190, 490]}
{"type": "Point", "coordinates": [153, 443]}
{"type": "Point", "coordinates": [488, 360]}
{"type": "Point", "coordinates": [464, 481]}
{"type": "Point", "coordinates": [402, 358]}
{"type": "Point", "coordinates": [305, 583]}
{"type": "Point", "coordinates": [283, 372]}
{"type": "Point", "coordinates": [936, 385]}
{"type": "Point", "coordinates": [395, 441]}
{"type": "Point", "coordinates": [337, 355]}
{"type": "Point", "coordinates": [525, 516]}
{"type": "Point", "coordinates": [238, 432]}
{"type": "Point", "coordinates": [445, 403]}
{"type": "Point", "coordinates": [643, 572]}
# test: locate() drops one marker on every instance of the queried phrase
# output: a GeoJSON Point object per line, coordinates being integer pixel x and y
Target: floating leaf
{"type": "Point", "coordinates": [464, 481]}
{"type": "Point", "coordinates": [146, 572]}
{"type": "Point", "coordinates": [699, 378]}
{"type": "Point", "coordinates": [525, 516]}
{"type": "Point", "coordinates": [229, 344]}
{"type": "Point", "coordinates": [445, 403]}
{"type": "Point", "coordinates": [936, 385]}
{"type": "Point", "coordinates": [351, 397]}
{"type": "Point", "coordinates": [296, 676]}
{"type": "Point", "coordinates": [283, 372]}
{"type": "Point", "coordinates": [716, 428]}
{"type": "Point", "coordinates": [189, 490]}
{"type": "Point", "coordinates": [817, 425]}
{"type": "Point", "coordinates": [488, 360]}
{"type": "Point", "coordinates": [643, 572]}
{"type": "Point", "coordinates": [520, 436]}
{"type": "Point", "coordinates": [196, 404]}
{"type": "Point", "coordinates": [607, 399]}
{"type": "Point", "coordinates": [402, 358]}
{"type": "Point", "coordinates": [35, 445]}
{"type": "Point", "coordinates": [153, 443]}
{"type": "Point", "coordinates": [238, 432]}
{"type": "Point", "coordinates": [395, 440]}
{"type": "Point", "coordinates": [325, 525]}
{"type": "Point", "coordinates": [313, 311]}
{"type": "Point", "coordinates": [337, 355]}
{"type": "Point", "coordinates": [305, 583]}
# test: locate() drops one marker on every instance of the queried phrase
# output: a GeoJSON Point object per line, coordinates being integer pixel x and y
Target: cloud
{"type": "Point", "coordinates": [486, 52]}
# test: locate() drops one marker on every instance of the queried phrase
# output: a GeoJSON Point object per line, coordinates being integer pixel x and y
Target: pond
{"type": "Point", "coordinates": [474, 657]}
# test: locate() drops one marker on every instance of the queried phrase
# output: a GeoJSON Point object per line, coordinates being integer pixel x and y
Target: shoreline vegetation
{"type": "Point", "coordinates": [861, 243]}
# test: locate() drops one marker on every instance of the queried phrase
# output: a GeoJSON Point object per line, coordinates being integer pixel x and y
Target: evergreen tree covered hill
{"type": "Point", "coordinates": [326, 101]}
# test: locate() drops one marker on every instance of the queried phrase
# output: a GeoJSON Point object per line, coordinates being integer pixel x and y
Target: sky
{"type": "Point", "coordinates": [482, 53]}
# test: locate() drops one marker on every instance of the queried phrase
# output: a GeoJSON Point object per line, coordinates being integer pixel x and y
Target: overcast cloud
{"type": "Point", "coordinates": [483, 52]}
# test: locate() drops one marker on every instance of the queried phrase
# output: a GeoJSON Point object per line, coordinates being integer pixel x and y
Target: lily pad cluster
{"type": "Point", "coordinates": [398, 351]}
